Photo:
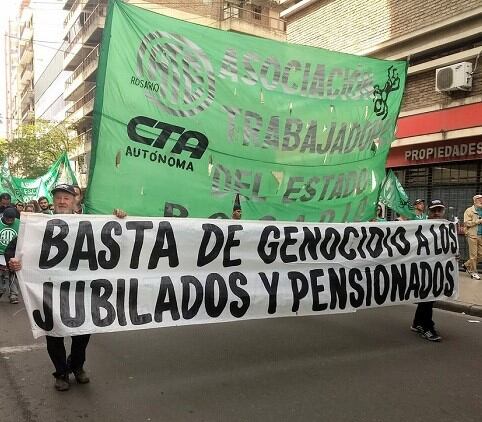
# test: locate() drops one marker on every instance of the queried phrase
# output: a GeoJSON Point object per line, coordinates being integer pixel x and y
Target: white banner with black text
{"type": "Point", "coordinates": [90, 274]}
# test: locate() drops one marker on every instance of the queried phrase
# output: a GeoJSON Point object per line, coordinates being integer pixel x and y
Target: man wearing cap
{"type": "Point", "coordinates": [64, 203]}
{"type": "Point", "coordinates": [419, 206]}
{"type": "Point", "coordinates": [422, 322]}
{"type": "Point", "coordinates": [473, 233]}
{"type": "Point", "coordinates": [8, 231]}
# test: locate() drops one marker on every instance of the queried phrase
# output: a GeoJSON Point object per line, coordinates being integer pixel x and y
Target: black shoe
{"type": "Point", "coordinates": [62, 383]}
{"type": "Point", "coordinates": [431, 335]}
{"type": "Point", "coordinates": [80, 376]}
{"type": "Point", "coordinates": [417, 329]}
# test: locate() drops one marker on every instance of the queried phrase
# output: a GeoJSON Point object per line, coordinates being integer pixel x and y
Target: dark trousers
{"type": "Point", "coordinates": [423, 315]}
{"type": "Point", "coordinates": [56, 350]}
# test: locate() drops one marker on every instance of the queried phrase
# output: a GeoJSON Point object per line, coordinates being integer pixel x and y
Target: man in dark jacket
{"type": "Point", "coordinates": [8, 230]}
{"type": "Point", "coordinates": [422, 322]}
{"type": "Point", "coordinates": [64, 203]}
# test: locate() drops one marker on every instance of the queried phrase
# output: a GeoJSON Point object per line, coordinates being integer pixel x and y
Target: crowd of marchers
{"type": "Point", "coordinates": [9, 225]}
{"type": "Point", "coordinates": [67, 199]}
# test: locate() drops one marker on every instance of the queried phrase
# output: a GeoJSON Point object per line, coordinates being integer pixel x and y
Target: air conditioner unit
{"type": "Point", "coordinates": [456, 77]}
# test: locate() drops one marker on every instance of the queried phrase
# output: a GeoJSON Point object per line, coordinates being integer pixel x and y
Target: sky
{"type": "Point", "coordinates": [9, 9]}
{"type": "Point", "coordinates": [51, 34]}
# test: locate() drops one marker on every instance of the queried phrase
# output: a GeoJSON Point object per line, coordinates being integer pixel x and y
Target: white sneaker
{"type": "Point", "coordinates": [475, 275]}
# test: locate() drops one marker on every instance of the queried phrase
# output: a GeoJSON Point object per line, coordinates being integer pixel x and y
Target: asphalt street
{"type": "Point", "coordinates": [358, 367]}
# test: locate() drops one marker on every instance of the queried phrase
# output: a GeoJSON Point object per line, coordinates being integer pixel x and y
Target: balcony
{"type": "Point", "coordinates": [256, 21]}
{"type": "Point", "coordinates": [26, 53]}
{"type": "Point", "coordinates": [78, 7]}
{"type": "Point", "coordinates": [26, 74]}
{"type": "Point", "coordinates": [68, 4]}
{"type": "Point", "coordinates": [88, 36]}
{"type": "Point", "coordinates": [84, 74]}
{"type": "Point", "coordinates": [26, 96]}
{"type": "Point", "coordinates": [28, 116]}
{"type": "Point", "coordinates": [26, 32]}
{"type": "Point", "coordinates": [81, 109]}
{"type": "Point", "coordinates": [74, 12]}
{"type": "Point", "coordinates": [86, 140]}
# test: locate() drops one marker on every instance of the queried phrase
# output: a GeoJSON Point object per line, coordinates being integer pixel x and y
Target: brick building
{"type": "Point", "coordinates": [438, 150]}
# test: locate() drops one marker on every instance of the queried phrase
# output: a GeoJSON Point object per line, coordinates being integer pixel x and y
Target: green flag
{"type": "Point", "coordinates": [24, 189]}
{"type": "Point", "coordinates": [393, 196]}
{"type": "Point", "coordinates": [187, 116]}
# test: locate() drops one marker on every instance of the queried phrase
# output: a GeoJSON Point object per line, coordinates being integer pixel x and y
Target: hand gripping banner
{"type": "Point", "coordinates": [188, 116]}
{"type": "Point", "coordinates": [88, 274]}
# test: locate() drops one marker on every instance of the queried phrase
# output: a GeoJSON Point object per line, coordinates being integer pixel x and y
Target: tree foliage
{"type": "Point", "coordinates": [3, 150]}
{"type": "Point", "coordinates": [36, 146]}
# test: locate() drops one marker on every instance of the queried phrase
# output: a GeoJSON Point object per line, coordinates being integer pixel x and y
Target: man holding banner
{"type": "Point", "coordinates": [64, 200]}
{"type": "Point", "coordinates": [8, 230]}
{"type": "Point", "coordinates": [422, 322]}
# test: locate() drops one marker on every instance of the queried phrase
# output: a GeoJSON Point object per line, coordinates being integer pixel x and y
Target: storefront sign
{"type": "Point", "coordinates": [436, 152]}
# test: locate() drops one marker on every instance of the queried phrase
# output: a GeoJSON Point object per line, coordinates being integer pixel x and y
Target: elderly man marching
{"type": "Point", "coordinates": [473, 232]}
{"type": "Point", "coordinates": [64, 203]}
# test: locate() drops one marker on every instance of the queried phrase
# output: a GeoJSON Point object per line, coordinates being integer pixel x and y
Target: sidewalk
{"type": "Point", "coordinates": [470, 297]}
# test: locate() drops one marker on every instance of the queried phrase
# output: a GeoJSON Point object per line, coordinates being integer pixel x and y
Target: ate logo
{"type": "Point", "coordinates": [182, 70]}
{"type": "Point", "coordinates": [155, 133]}
{"type": "Point", "coordinates": [6, 235]}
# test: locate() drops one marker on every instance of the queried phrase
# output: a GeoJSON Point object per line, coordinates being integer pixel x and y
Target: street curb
{"type": "Point", "coordinates": [460, 307]}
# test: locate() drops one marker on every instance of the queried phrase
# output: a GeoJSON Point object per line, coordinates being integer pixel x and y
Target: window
{"type": "Point", "coordinates": [256, 11]}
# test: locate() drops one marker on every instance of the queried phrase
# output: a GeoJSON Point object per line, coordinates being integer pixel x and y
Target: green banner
{"type": "Point", "coordinates": [394, 196]}
{"type": "Point", "coordinates": [24, 190]}
{"type": "Point", "coordinates": [188, 116]}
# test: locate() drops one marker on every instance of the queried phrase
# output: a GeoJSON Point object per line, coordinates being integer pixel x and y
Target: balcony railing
{"type": "Point", "coordinates": [92, 57]}
{"type": "Point", "coordinates": [81, 102]}
{"type": "Point", "coordinates": [76, 4]}
{"type": "Point", "coordinates": [72, 10]}
{"type": "Point", "coordinates": [26, 91]}
{"type": "Point", "coordinates": [68, 4]}
{"type": "Point", "coordinates": [252, 16]}
{"type": "Point", "coordinates": [28, 68]}
{"type": "Point", "coordinates": [26, 25]}
{"type": "Point", "coordinates": [23, 48]}
{"type": "Point", "coordinates": [85, 137]}
{"type": "Point", "coordinates": [99, 12]}
{"type": "Point", "coordinates": [28, 114]}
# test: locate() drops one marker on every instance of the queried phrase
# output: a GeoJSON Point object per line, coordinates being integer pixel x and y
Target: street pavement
{"type": "Point", "coordinates": [363, 367]}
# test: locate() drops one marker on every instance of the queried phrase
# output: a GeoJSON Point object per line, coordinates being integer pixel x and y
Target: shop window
{"type": "Point", "coordinates": [417, 176]}
{"type": "Point", "coordinates": [454, 174]}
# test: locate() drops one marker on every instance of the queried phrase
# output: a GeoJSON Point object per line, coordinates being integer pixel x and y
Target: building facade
{"type": "Point", "coordinates": [33, 40]}
{"type": "Point", "coordinates": [12, 85]}
{"type": "Point", "coordinates": [19, 70]}
{"type": "Point", "coordinates": [83, 25]}
{"type": "Point", "coordinates": [25, 64]}
{"type": "Point", "coordinates": [438, 150]}
{"type": "Point", "coordinates": [49, 76]}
